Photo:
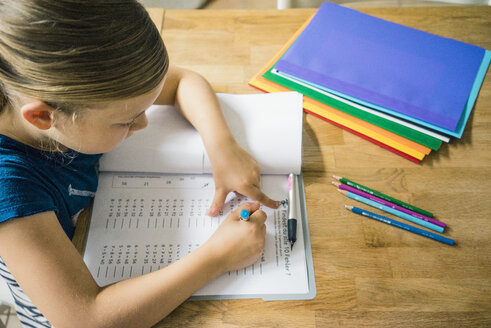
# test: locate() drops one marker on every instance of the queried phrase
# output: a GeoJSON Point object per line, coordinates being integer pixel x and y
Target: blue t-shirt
{"type": "Point", "coordinates": [34, 181]}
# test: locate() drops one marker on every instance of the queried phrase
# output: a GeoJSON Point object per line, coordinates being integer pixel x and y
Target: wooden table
{"type": "Point", "coordinates": [367, 273]}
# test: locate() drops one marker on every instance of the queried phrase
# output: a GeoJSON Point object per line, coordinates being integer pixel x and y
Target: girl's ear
{"type": "Point", "coordinates": [38, 114]}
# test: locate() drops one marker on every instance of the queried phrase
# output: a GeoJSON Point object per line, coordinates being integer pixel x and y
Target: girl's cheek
{"type": "Point", "coordinates": [117, 136]}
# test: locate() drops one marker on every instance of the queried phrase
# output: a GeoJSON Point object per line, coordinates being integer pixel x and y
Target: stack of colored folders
{"type": "Point", "coordinates": [403, 89]}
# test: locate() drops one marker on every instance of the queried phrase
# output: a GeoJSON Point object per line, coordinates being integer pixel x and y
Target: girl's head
{"type": "Point", "coordinates": [74, 57]}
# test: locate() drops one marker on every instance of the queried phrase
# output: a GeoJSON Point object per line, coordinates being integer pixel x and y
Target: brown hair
{"type": "Point", "coordinates": [69, 53]}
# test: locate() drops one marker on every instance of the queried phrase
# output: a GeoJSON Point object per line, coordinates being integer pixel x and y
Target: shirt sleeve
{"type": "Point", "coordinates": [23, 193]}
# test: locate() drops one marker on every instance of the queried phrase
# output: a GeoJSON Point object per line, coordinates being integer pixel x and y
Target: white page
{"type": "Point", "coordinates": [268, 126]}
{"type": "Point", "coordinates": [141, 223]}
{"type": "Point", "coordinates": [168, 144]}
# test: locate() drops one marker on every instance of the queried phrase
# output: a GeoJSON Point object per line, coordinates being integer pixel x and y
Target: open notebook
{"type": "Point", "coordinates": [155, 188]}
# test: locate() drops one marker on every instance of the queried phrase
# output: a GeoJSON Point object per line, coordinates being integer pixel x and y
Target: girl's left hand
{"type": "Point", "coordinates": [235, 170]}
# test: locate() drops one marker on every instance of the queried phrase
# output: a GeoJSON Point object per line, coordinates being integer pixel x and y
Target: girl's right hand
{"type": "Point", "coordinates": [237, 243]}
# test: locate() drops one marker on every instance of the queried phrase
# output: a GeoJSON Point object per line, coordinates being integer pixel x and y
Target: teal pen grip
{"type": "Point", "coordinates": [244, 215]}
{"type": "Point", "coordinates": [395, 212]}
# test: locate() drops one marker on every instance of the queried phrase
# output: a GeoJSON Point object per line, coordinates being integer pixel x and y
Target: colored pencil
{"type": "Point", "coordinates": [400, 225]}
{"type": "Point", "coordinates": [391, 211]}
{"type": "Point", "coordinates": [342, 186]}
{"type": "Point", "coordinates": [381, 195]}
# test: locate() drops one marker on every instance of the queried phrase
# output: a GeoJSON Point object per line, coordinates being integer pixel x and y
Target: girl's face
{"type": "Point", "coordinates": [100, 129]}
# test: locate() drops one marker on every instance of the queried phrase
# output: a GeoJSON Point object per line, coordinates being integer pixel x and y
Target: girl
{"type": "Point", "coordinates": [75, 80]}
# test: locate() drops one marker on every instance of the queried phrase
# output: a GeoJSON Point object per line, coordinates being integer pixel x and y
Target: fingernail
{"type": "Point", "coordinates": [277, 204]}
{"type": "Point", "coordinates": [211, 212]}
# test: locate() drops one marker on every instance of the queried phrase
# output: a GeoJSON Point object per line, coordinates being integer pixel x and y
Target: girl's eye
{"type": "Point", "coordinates": [127, 124]}
{"type": "Point", "coordinates": [132, 122]}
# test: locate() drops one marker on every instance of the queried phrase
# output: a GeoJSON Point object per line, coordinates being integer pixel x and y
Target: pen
{"type": "Point", "coordinates": [391, 211]}
{"type": "Point", "coordinates": [292, 210]}
{"type": "Point", "coordinates": [400, 225]}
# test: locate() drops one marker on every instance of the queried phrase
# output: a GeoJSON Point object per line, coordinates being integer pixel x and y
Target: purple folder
{"type": "Point", "coordinates": [407, 71]}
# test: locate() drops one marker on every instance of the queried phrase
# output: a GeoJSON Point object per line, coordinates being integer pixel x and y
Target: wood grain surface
{"type": "Point", "coordinates": [368, 274]}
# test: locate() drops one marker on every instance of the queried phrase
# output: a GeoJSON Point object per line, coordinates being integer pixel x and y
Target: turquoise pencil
{"type": "Point", "coordinates": [391, 211]}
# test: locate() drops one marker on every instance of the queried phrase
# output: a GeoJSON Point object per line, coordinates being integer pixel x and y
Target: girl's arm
{"type": "Point", "coordinates": [53, 275]}
{"type": "Point", "coordinates": [233, 168]}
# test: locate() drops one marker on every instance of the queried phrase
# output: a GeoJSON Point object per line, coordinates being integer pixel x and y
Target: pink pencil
{"type": "Point", "coordinates": [389, 204]}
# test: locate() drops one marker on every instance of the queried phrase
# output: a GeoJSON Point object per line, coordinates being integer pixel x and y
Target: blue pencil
{"type": "Point", "coordinates": [390, 210]}
{"type": "Point", "coordinates": [401, 225]}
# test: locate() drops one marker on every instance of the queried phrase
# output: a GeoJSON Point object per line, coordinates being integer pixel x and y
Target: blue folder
{"type": "Point", "coordinates": [408, 73]}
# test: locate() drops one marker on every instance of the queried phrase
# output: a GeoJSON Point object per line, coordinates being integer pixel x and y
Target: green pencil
{"type": "Point", "coordinates": [383, 196]}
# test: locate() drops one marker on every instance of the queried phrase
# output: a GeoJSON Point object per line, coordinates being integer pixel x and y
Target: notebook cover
{"type": "Point", "coordinates": [413, 73]}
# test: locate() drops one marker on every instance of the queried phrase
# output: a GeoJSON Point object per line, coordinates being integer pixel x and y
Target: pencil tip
{"type": "Point", "coordinates": [335, 183]}
{"type": "Point", "coordinates": [348, 207]}
{"type": "Point", "coordinates": [336, 177]}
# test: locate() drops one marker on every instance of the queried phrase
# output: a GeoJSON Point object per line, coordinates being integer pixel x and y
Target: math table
{"type": "Point", "coordinates": [367, 273]}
